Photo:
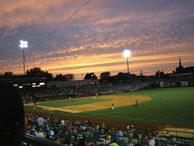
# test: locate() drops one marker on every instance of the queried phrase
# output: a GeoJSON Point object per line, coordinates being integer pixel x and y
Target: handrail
{"type": "Point", "coordinates": [32, 140]}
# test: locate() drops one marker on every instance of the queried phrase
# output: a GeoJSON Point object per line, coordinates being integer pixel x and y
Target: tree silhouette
{"type": "Point", "coordinates": [90, 76]}
{"type": "Point", "coordinates": [36, 71]}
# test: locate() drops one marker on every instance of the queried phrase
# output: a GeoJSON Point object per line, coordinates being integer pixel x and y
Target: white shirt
{"type": "Point", "coordinates": [120, 133]}
{"type": "Point", "coordinates": [51, 133]}
{"type": "Point", "coordinates": [40, 121]}
{"type": "Point", "coordinates": [39, 134]}
{"type": "Point", "coordinates": [152, 142]}
{"type": "Point", "coordinates": [63, 122]}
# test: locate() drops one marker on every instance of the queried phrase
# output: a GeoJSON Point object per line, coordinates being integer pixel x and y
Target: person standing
{"type": "Point", "coordinates": [103, 126]}
{"type": "Point", "coordinates": [94, 97]}
{"type": "Point", "coordinates": [35, 105]}
{"type": "Point", "coordinates": [113, 106]}
{"type": "Point", "coordinates": [150, 139]}
{"type": "Point", "coordinates": [133, 126]}
{"type": "Point", "coordinates": [40, 121]}
{"type": "Point", "coordinates": [136, 103]}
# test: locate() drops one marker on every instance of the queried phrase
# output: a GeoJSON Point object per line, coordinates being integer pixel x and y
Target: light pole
{"type": "Point", "coordinates": [127, 54]}
{"type": "Point", "coordinates": [23, 44]}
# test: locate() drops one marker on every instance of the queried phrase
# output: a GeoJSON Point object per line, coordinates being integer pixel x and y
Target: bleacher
{"type": "Point", "coordinates": [129, 138]}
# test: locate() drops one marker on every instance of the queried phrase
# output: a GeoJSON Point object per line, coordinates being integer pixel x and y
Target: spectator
{"type": "Point", "coordinates": [63, 122]}
{"type": "Point", "coordinates": [121, 132]}
{"type": "Point", "coordinates": [147, 131]}
{"type": "Point", "coordinates": [117, 136]}
{"type": "Point", "coordinates": [174, 140]}
{"type": "Point", "coordinates": [157, 136]}
{"type": "Point", "coordinates": [75, 130]}
{"type": "Point", "coordinates": [91, 133]}
{"type": "Point", "coordinates": [40, 121]}
{"type": "Point", "coordinates": [103, 126]}
{"type": "Point", "coordinates": [32, 121]}
{"type": "Point", "coordinates": [133, 126]}
{"type": "Point", "coordinates": [46, 128]}
{"type": "Point", "coordinates": [167, 136]}
{"type": "Point", "coordinates": [150, 139]}
{"type": "Point", "coordinates": [96, 133]}
{"type": "Point", "coordinates": [109, 135]}
{"type": "Point", "coordinates": [113, 131]}
{"type": "Point", "coordinates": [40, 133]}
{"type": "Point", "coordinates": [13, 123]}
{"type": "Point", "coordinates": [113, 143]}
{"type": "Point", "coordinates": [32, 130]}
{"type": "Point", "coordinates": [128, 126]}
{"type": "Point", "coordinates": [51, 134]}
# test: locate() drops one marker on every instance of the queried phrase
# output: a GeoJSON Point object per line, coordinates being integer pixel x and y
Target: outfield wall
{"type": "Point", "coordinates": [165, 84]}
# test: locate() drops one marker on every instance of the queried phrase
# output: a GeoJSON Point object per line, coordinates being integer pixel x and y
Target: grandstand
{"type": "Point", "coordinates": [129, 137]}
{"type": "Point", "coordinates": [96, 133]}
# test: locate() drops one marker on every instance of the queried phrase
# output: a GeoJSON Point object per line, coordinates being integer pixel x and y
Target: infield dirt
{"type": "Point", "coordinates": [118, 101]}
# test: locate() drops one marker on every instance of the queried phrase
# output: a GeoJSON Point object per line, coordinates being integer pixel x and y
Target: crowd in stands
{"type": "Point", "coordinates": [82, 133]}
{"type": "Point", "coordinates": [67, 131]}
{"type": "Point", "coordinates": [78, 91]}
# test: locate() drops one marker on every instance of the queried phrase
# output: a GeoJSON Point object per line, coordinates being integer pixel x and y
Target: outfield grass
{"type": "Point", "coordinates": [168, 106]}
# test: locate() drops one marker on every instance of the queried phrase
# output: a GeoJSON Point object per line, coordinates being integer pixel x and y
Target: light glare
{"type": "Point", "coordinates": [23, 44]}
{"type": "Point", "coordinates": [127, 53]}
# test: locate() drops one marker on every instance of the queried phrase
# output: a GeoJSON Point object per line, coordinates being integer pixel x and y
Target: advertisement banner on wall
{"type": "Point", "coordinates": [161, 84]}
{"type": "Point", "coordinates": [184, 84]}
{"type": "Point", "coordinates": [166, 84]}
{"type": "Point", "coordinates": [191, 83]}
{"type": "Point", "coordinates": [173, 84]}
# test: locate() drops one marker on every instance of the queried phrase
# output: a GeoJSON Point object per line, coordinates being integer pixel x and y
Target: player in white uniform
{"type": "Point", "coordinates": [113, 106]}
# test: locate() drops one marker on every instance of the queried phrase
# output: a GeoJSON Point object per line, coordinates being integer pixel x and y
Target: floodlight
{"type": "Point", "coordinates": [23, 44]}
{"type": "Point", "coordinates": [127, 54]}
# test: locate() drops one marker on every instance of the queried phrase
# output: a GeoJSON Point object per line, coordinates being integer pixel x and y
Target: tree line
{"type": "Point", "coordinates": [36, 71]}
{"type": "Point", "coordinates": [104, 76]}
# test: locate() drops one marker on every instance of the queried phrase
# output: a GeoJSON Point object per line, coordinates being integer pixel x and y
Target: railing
{"type": "Point", "coordinates": [33, 141]}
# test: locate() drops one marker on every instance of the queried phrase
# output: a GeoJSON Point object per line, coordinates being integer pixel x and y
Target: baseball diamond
{"type": "Point", "coordinates": [119, 101]}
{"type": "Point", "coordinates": [167, 108]}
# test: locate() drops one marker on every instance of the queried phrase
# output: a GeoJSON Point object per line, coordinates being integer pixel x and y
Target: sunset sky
{"type": "Point", "coordinates": [93, 40]}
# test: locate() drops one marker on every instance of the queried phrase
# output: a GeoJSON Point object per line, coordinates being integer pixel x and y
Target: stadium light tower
{"type": "Point", "coordinates": [127, 54]}
{"type": "Point", "coordinates": [23, 44]}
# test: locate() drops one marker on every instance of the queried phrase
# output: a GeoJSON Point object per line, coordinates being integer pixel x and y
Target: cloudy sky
{"type": "Point", "coordinates": [156, 31]}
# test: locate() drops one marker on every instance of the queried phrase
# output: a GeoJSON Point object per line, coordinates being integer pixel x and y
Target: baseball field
{"type": "Point", "coordinates": [167, 106]}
